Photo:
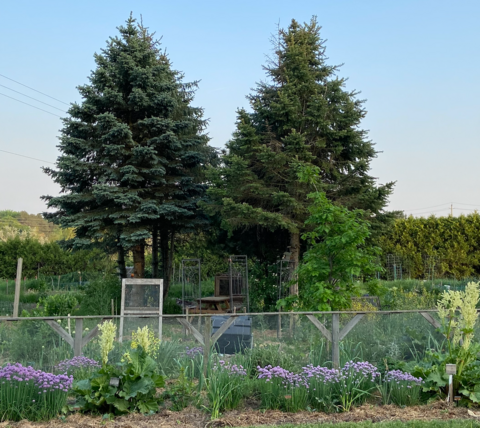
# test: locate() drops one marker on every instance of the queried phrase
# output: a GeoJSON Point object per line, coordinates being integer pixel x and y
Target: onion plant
{"type": "Point", "coordinates": [26, 393]}
{"type": "Point", "coordinates": [400, 388]}
{"type": "Point", "coordinates": [282, 389]}
{"type": "Point", "coordinates": [225, 387]}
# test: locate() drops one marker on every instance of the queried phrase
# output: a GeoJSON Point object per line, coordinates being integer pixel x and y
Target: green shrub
{"type": "Point", "coordinates": [98, 295]}
{"type": "Point", "coordinates": [59, 305]}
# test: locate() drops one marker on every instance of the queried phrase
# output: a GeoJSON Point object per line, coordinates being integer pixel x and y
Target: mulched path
{"type": "Point", "coordinates": [194, 418]}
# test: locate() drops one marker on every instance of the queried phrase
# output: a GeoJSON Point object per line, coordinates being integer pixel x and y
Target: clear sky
{"type": "Point", "coordinates": [416, 64]}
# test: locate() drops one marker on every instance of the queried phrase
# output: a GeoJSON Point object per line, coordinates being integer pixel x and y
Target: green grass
{"type": "Point", "coordinates": [395, 424]}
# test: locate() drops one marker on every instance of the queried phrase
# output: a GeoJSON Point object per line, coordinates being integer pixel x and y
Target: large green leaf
{"type": "Point", "coordinates": [142, 386]}
{"type": "Point", "coordinates": [120, 404]}
{"type": "Point", "coordinates": [148, 406]}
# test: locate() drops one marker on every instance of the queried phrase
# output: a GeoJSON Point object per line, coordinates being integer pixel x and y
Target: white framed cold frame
{"type": "Point", "coordinates": [141, 309]}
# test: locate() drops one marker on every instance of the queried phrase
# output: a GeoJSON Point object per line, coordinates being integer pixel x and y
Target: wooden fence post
{"type": "Point", "coordinates": [18, 283]}
{"type": "Point", "coordinates": [78, 340]}
{"type": "Point", "coordinates": [336, 340]}
{"type": "Point", "coordinates": [206, 348]}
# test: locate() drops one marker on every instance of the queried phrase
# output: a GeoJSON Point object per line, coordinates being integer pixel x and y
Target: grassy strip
{"type": "Point", "coordinates": [393, 424]}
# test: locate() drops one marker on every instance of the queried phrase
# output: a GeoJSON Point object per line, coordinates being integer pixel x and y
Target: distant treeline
{"type": "Point", "coordinates": [46, 259]}
{"type": "Point", "coordinates": [451, 243]}
{"type": "Point", "coordinates": [23, 225]}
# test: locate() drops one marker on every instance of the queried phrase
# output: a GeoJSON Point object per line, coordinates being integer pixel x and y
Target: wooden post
{"type": "Point", "coordinates": [18, 284]}
{"type": "Point", "coordinates": [206, 348]}
{"type": "Point", "coordinates": [113, 308]}
{"type": "Point", "coordinates": [78, 340]}
{"type": "Point", "coordinates": [336, 340]}
{"type": "Point", "coordinates": [160, 313]}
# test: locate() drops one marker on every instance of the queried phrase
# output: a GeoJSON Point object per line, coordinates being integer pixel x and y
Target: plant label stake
{"type": "Point", "coordinates": [450, 369]}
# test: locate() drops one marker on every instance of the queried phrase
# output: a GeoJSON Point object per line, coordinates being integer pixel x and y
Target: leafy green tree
{"type": "Point", "coordinates": [132, 154]}
{"type": "Point", "coordinates": [302, 116]}
{"type": "Point", "coordinates": [337, 251]}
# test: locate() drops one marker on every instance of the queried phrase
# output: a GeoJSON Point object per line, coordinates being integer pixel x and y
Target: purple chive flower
{"type": "Point", "coordinates": [67, 366]}
{"type": "Point", "coordinates": [230, 369]}
{"type": "Point", "coordinates": [42, 380]}
{"type": "Point", "coordinates": [193, 352]}
{"type": "Point", "coordinates": [399, 376]}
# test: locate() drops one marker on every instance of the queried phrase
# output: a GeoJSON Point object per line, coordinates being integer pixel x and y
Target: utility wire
{"type": "Point", "coordinates": [38, 108]}
{"type": "Point", "coordinates": [426, 208]}
{"type": "Point", "coordinates": [472, 205]}
{"type": "Point", "coordinates": [49, 105]}
{"type": "Point", "coordinates": [28, 157]}
{"type": "Point", "coordinates": [33, 89]}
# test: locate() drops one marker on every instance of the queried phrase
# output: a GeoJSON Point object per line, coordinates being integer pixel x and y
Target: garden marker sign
{"type": "Point", "coordinates": [141, 297]}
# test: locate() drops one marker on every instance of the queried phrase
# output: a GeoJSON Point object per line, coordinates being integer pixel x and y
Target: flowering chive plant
{"type": "Point", "coordinates": [356, 380]}
{"type": "Point", "coordinates": [78, 367]}
{"type": "Point", "coordinates": [26, 393]}
{"type": "Point", "coordinates": [400, 388]}
{"type": "Point", "coordinates": [320, 387]}
{"type": "Point", "coordinates": [282, 389]}
{"type": "Point", "coordinates": [225, 386]}
{"type": "Point", "coordinates": [321, 382]}
{"type": "Point", "coordinates": [193, 352]}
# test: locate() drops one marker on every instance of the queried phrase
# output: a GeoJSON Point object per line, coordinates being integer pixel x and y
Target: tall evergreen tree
{"type": "Point", "coordinates": [132, 153]}
{"type": "Point", "coordinates": [302, 117]}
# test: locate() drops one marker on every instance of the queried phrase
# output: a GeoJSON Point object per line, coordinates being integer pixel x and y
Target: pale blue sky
{"type": "Point", "coordinates": [415, 62]}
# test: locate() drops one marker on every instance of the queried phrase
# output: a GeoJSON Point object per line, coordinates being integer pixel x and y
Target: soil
{"type": "Point", "coordinates": [194, 418]}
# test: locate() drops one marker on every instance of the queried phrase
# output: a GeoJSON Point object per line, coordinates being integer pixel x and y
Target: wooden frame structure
{"type": "Point", "coordinates": [207, 340]}
{"type": "Point", "coordinates": [141, 309]}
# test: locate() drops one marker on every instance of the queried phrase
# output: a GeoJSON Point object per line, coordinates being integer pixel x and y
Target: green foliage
{"type": "Point", "coordinates": [404, 298]}
{"type": "Point", "coordinates": [132, 152]}
{"type": "Point", "coordinates": [263, 293]}
{"type": "Point", "coordinates": [264, 355]}
{"type": "Point", "coordinates": [459, 423]}
{"type": "Point", "coordinates": [98, 295]}
{"type": "Point", "coordinates": [337, 252]}
{"type": "Point", "coordinates": [35, 343]}
{"type": "Point", "coordinates": [138, 381]}
{"type": "Point", "coordinates": [181, 392]}
{"type": "Point", "coordinates": [59, 305]}
{"type": "Point", "coordinates": [454, 240]}
{"type": "Point", "coordinates": [302, 116]}
{"type": "Point", "coordinates": [45, 259]}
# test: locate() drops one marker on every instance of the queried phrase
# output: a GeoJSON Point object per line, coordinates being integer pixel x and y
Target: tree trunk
{"type": "Point", "coordinates": [139, 260]}
{"type": "Point", "coordinates": [166, 248]}
{"type": "Point", "coordinates": [155, 252]}
{"type": "Point", "coordinates": [122, 270]}
{"type": "Point", "coordinates": [294, 258]}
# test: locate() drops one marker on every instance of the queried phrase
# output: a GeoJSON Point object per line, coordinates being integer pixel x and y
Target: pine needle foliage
{"type": "Point", "coordinates": [302, 117]}
{"type": "Point", "coordinates": [132, 152]}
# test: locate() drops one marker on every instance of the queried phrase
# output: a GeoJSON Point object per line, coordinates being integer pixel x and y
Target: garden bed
{"type": "Point", "coordinates": [195, 418]}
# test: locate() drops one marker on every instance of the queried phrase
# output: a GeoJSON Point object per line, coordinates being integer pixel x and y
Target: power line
{"type": "Point", "coordinates": [28, 157]}
{"type": "Point", "coordinates": [38, 108]}
{"type": "Point", "coordinates": [426, 208]}
{"type": "Point", "coordinates": [472, 205]}
{"type": "Point", "coordinates": [49, 105]}
{"type": "Point", "coordinates": [34, 89]}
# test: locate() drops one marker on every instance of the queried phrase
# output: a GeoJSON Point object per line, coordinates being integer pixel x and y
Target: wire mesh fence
{"type": "Point", "coordinates": [294, 339]}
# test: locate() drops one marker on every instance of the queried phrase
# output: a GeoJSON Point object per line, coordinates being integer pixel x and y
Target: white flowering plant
{"type": "Point", "coordinates": [458, 315]}
{"type": "Point", "coordinates": [129, 386]}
